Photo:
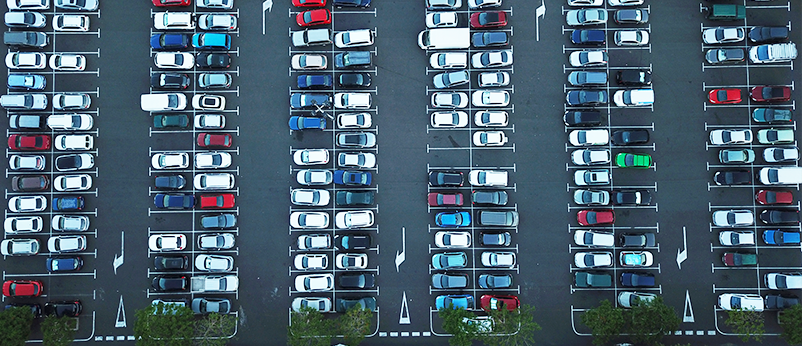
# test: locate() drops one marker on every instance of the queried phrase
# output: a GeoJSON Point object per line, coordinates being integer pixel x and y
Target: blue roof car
{"type": "Point", "coordinates": [454, 301]}
{"type": "Point", "coordinates": [309, 100]}
{"type": "Point", "coordinates": [777, 237]}
{"type": "Point", "coordinates": [68, 203]}
{"type": "Point", "coordinates": [215, 41]}
{"type": "Point", "coordinates": [588, 37]}
{"type": "Point", "coordinates": [26, 81]}
{"type": "Point", "coordinates": [453, 219]}
{"type": "Point", "coordinates": [303, 123]}
{"type": "Point", "coordinates": [174, 201]}
{"type": "Point", "coordinates": [306, 81]}
{"type": "Point", "coordinates": [356, 178]}
{"type": "Point", "coordinates": [169, 41]}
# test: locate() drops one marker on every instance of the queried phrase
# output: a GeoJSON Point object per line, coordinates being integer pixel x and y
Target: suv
{"type": "Point", "coordinates": [311, 37]}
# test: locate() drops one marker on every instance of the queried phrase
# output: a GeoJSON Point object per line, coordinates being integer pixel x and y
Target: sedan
{"type": "Point", "coordinates": [174, 60]}
{"type": "Point", "coordinates": [490, 19]}
{"type": "Point", "coordinates": [354, 219]}
{"type": "Point", "coordinates": [730, 137]}
{"type": "Point", "coordinates": [63, 264]}
{"type": "Point", "coordinates": [30, 183]}
{"type": "Point", "coordinates": [489, 39]}
{"type": "Point", "coordinates": [314, 283]}
{"type": "Point", "coordinates": [216, 4]}
{"type": "Point", "coordinates": [774, 197]}
{"type": "Point", "coordinates": [733, 177]}
{"type": "Point", "coordinates": [306, 157]}
{"type": "Point", "coordinates": [354, 120]}
{"type": "Point", "coordinates": [311, 261]}
{"type": "Point", "coordinates": [582, 118]}
{"type": "Point", "coordinates": [631, 197]}
{"type": "Point", "coordinates": [353, 38]}
{"type": "Point", "coordinates": [591, 197]}
{"type": "Point", "coordinates": [588, 37]}
{"type": "Point", "coordinates": [593, 259]}
{"type": "Point", "coordinates": [309, 3]}
{"type": "Point", "coordinates": [772, 115]}
{"type": "Point", "coordinates": [583, 78]}
{"type": "Point", "coordinates": [27, 204]}
{"type": "Point", "coordinates": [67, 62]}
{"type": "Point", "coordinates": [310, 197]}
{"type": "Point", "coordinates": [725, 55]}
{"type": "Point", "coordinates": [214, 140]}
{"type": "Point", "coordinates": [213, 181]}
{"type": "Point", "coordinates": [174, 201]}
{"type": "Point", "coordinates": [19, 247]}
{"type": "Point", "coordinates": [497, 302]}
{"type": "Point", "coordinates": [631, 38]}
{"type": "Point", "coordinates": [490, 98]}
{"type": "Point", "coordinates": [489, 138]}
{"type": "Point", "coordinates": [354, 79]}
{"type": "Point", "coordinates": [452, 239]}
{"type": "Point", "coordinates": [630, 137]}
{"type": "Point", "coordinates": [313, 17]}
{"type": "Point", "coordinates": [779, 217]}
{"type": "Point", "coordinates": [74, 182]}
{"type": "Point", "coordinates": [770, 93]}
{"type": "Point", "coordinates": [216, 241]}
{"type": "Point", "coordinates": [775, 136]}
{"type": "Point", "coordinates": [453, 219]}
{"type": "Point", "coordinates": [586, 17]}
{"type": "Point", "coordinates": [449, 260]}
{"type": "Point", "coordinates": [212, 60]}
{"type": "Point", "coordinates": [217, 21]}
{"type": "Point", "coordinates": [29, 142]}
{"type": "Point", "coordinates": [492, 59]}
{"type": "Point", "coordinates": [588, 58]}
{"type": "Point", "coordinates": [352, 178]}
{"type": "Point", "coordinates": [309, 219]}
{"type": "Point", "coordinates": [587, 157]}
{"type": "Point", "coordinates": [178, 81]}
{"type": "Point", "coordinates": [498, 259]}
{"type": "Point", "coordinates": [724, 96]}
{"type": "Point", "coordinates": [317, 304]}
{"type": "Point", "coordinates": [309, 62]}
{"type": "Point", "coordinates": [594, 238]}
{"type": "Point", "coordinates": [449, 100]}
{"type": "Point", "coordinates": [66, 243]}
{"type": "Point", "coordinates": [169, 41]}
{"type": "Point", "coordinates": [445, 178]}
{"type": "Point", "coordinates": [733, 218]}
{"type": "Point", "coordinates": [736, 156]}
{"type": "Point", "coordinates": [586, 97]}
{"type": "Point", "coordinates": [635, 16]}
{"type": "Point", "coordinates": [214, 263]}
{"type": "Point", "coordinates": [588, 137]}
{"type": "Point", "coordinates": [585, 2]}
{"type": "Point", "coordinates": [80, 5]}
{"type": "Point", "coordinates": [170, 161]}
{"type": "Point", "coordinates": [595, 217]}
{"type": "Point", "coordinates": [492, 281]}
{"type": "Point", "coordinates": [630, 299]}
{"type": "Point", "coordinates": [781, 154]}
{"type": "Point", "coordinates": [217, 201]}
{"type": "Point", "coordinates": [721, 35]}
{"type": "Point", "coordinates": [768, 34]}
{"type": "Point", "coordinates": [449, 119]}
{"type": "Point", "coordinates": [356, 139]}
{"type": "Point", "coordinates": [211, 305]}
{"type": "Point", "coordinates": [358, 160]}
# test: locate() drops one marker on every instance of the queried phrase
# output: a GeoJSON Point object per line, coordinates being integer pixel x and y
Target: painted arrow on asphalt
{"type": "Point", "coordinates": [682, 254]}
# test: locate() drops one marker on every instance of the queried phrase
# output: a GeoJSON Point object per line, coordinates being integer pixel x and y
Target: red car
{"type": "Point", "coordinates": [171, 3]}
{"type": "Point", "coordinates": [217, 201]}
{"type": "Point", "coordinates": [494, 302]}
{"type": "Point", "coordinates": [772, 93]}
{"type": "Point", "coordinates": [774, 197]}
{"type": "Point", "coordinates": [313, 17]}
{"type": "Point", "coordinates": [207, 140]}
{"type": "Point", "coordinates": [29, 142]}
{"type": "Point", "coordinates": [440, 199]}
{"type": "Point", "coordinates": [489, 19]}
{"type": "Point", "coordinates": [595, 217]}
{"type": "Point", "coordinates": [724, 96]}
{"type": "Point", "coordinates": [23, 288]}
{"type": "Point", "coordinates": [309, 3]}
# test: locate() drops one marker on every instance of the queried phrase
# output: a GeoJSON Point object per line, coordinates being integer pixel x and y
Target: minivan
{"type": "Point", "coordinates": [498, 218]}
{"type": "Point", "coordinates": [780, 175]}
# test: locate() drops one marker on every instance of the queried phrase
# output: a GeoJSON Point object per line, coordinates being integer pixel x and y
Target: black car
{"type": "Point", "coordinates": [351, 3]}
{"type": "Point", "coordinates": [352, 242]}
{"type": "Point", "coordinates": [37, 182]}
{"type": "Point", "coordinates": [772, 115]}
{"type": "Point", "coordinates": [60, 309]}
{"type": "Point", "coordinates": [589, 97]}
{"type": "Point", "coordinates": [631, 16]}
{"type": "Point", "coordinates": [170, 182]}
{"type": "Point", "coordinates": [213, 60]}
{"type": "Point", "coordinates": [355, 79]}
{"type": "Point", "coordinates": [495, 238]}
{"type": "Point", "coordinates": [489, 197]}
{"type": "Point", "coordinates": [490, 39]}
{"type": "Point", "coordinates": [169, 81]}
{"type": "Point", "coordinates": [70, 162]}
{"type": "Point", "coordinates": [171, 262]}
{"type": "Point", "coordinates": [631, 197]}
{"type": "Point", "coordinates": [636, 239]}
{"type": "Point", "coordinates": [725, 55]}
{"type": "Point", "coordinates": [776, 216]}
{"type": "Point", "coordinates": [733, 177]}
{"type": "Point", "coordinates": [218, 221]}
{"type": "Point", "coordinates": [490, 281]}
{"type": "Point", "coordinates": [170, 283]}
{"type": "Point", "coordinates": [633, 77]}
{"type": "Point", "coordinates": [582, 118]}
{"type": "Point", "coordinates": [780, 301]}
{"type": "Point", "coordinates": [36, 309]}
{"type": "Point", "coordinates": [445, 178]}
{"type": "Point", "coordinates": [359, 281]}
{"type": "Point", "coordinates": [350, 198]}
{"type": "Point", "coordinates": [630, 137]}
{"type": "Point", "coordinates": [588, 37]}
{"type": "Point", "coordinates": [768, 34]}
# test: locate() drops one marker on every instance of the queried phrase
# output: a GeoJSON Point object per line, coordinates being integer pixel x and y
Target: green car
{"type": "Point", "coordinates": [625, 160]}
{"type": "Point", "coordinates": [162, 121]}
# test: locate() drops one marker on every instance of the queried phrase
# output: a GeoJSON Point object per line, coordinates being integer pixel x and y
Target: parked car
{"type": "Point", "coordinates": [722, 35]}
{"type": "Point", "coordinates": [594, 238]}
{"type": "Point", "coordinates": [779, 216]}
{"type": "Point", "coordinates": [736, 238]}
{"type": "Point", "coordinates": [739, 301]}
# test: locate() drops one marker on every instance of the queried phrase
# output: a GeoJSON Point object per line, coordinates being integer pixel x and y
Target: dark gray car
{"type": "Point", "coordinates": [24, 39]}
{"type": "Point", "coordinates": [447, 281]}
{"type": "Point", "coordinates": [489, 197]}
{"type": "Point", "coordinates": [498, 218]}
{"type": "Point", "coordinates": [495, 238]}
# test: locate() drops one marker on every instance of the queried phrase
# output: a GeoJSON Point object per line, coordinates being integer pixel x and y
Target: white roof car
{"type": "Point", "coordinates": [71, 22]}
{"type": "Point", "coordinates": [23, 224]}
{"type": "Point", "coordinates": [733, 218]}
{"type": "Point", "coordinates": [629, 299]}
{"type": "Point", "coordinates": [491, 118]}
{"type": "Point", "coordinates": [594, 238]}
{"type": "Point", "coordinates": [173, 21]}
{"type": "Point", "coordinates": [66, 243]}
{"type": "Point", "coordinates": [174, 60]}
{"type": "Point", "coordinates": [590, 156]}
{"type": "Point", "coordinates": [70, 223]}
{"type": "Point", "coordinates": [449, 60]}
{"type": "Point", "coordinates": [26, 60]}
{"type": "Point", "coordinates": [81, 5]}
{"type": "Point", "coordinates": [314, 241]}
{"type": "Point", "coordinates": [74, 142]}
{"type": "Point", "coordinates": [781, 154]}
{"type": "Point", "coordinates": [306, 157]}
{"type": "Point", "coordinates": [25, 19]}
{"type": "Point", "coordinates": [19, 247]}
{"type": "Point", "coordinates": [585, 177]}
{"type": "Point", "coordinates": [318, 303]}
{"type": "Point", "coordinates": [26, 162]}
{"type": "Point", "coordinates": [734, 301]}
{"type": "Point", "coordinates": [354, 120]}
{"type": "Point", "coordinates": [314, 283]}
{"type": "Point", "coordinates": [311, 261]}
{"type": "Point", "coordinates": [490, 98]}
{"type": "Point", "coordinates": [309, 219]}
{"type": "Point", "coordinates": [449, 99]}
{"type": "Point", "coordinates": [221, 4]}
{"type": "Point", "coordinates": [67, 62]}
{"type": "Point", "coordinates": [487, 178]}
{"type": "Point", "coordinates": [212, 159]}
{"type": "Point", "coordinates": [736, 238]}
{"type": "Point", "coordinates": [71, 122]}
{"type": "Point", "coordinates": [784, 281]}
{"type": "Point", "coordinates": [359, 160]}
{"type": "Point", "coordinates": [734, 136]}
{"type": "Point", "coordinates": [588, 137]}
{"type": "Point", "coordinates": [591, 197]}
{"type": "Point", "coordinates": [28, 4]}
{"type": "Point", "coordinates": [72, 182]}
{"type": "Point", "coordinates": [214, 263]}
{"type": "Point", "coordinates": [353, 38]}
{"type": "Point", "coordinates": [441, 19]}
{"type": "Point", "coordinates": [352, 100]}
{"type": "Point", "coordinates": [449, 119]}
{"type": "Point", "coordinates": [476, 4]}
{"type": "Point", "coordinates": [210, 121]}
{"type": "Point", "coordinates": [452, 239]}
{"type": "Point", "coordinates": [27, 204]}
{"type": "Point", "coordinates": [489, 138]}
{"type": "Point", "coordinates": [631, 38]}
{"type": "Point", "coordinates": [208, 101]}
{"type": "Point", "coordinates": [585, 2]}
{"type": "Point", "coordinates": [170, 160]}
{"type": "Point", "coordinates": [349, 261]}
{"type": "Point", "coordinates": [493, 79]}
{"type": "Point", "coordinates": [216, 241]}
{"type": "Point", "coordinates": [309, 61]}
{"type": "Point", "coordinates": [588, 58]}
{"type": "Point", "coordinates": [217, 21]}
{"type": "Point", "coordinates": [721, 35]}
{"type": "Point", "coordinates": [167, 242]}
{"type": "Point", "coordinates": [70, 101]}
{"type": "Point", "coordinates": [213, 181]}
{"type": "Point", "coordinates": [593, 259]}
{"type": "Point", "coordinates": [354, 219]}
{"type": "Point", "coordinates": [492, 59]}
{"type": "Point", "coordinates": [443, 4]}
{"type": "Point", "coordinates": [625, 2]}
{"type": "Point", "coordinates": [636, 97]}
{"type": "Point", "coordinates": [498, 259]}
{"type": "Point", "coordinates": [314, 177]}
{"type": "Point", "coordinates": [310, 197]}
{"type": "Point", "coordinates": [586, 17]}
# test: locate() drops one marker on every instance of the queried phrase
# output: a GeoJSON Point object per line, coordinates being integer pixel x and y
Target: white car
{"type": "Point", "coordinates": [167, 242]}
{"type": "Point", "coordinates": [71, 101]}
{"type": "Point", "coordinates": [586, 17]}
{"type": "Point", "coordinates": [214, 263]}
{"type": "Point", "coordinates": [27, 204]}
{"type": "Point", "coordinates": [25, 19]}
{"type": "Point", "coordinates": [493, 79]}
{"type": "Point", "coordinates": [311, 261]}
{"type": "Point", "coordinates": [487, 178]}
{"type": "Point", "coordinates": [310, 197]}
{"type": "Point", "coordinates": [67, 62]}
{"type": "Point", "coordinates": [449, 60]}
{"type": "Point", "coordinates": [492, 59]}
{"type": "Point", "coordinates": [581, 138]}
{"type": "Point", "coordinates": [70, 122]}
{"type": "Point", "coordinates": [625, 2]}
{"type": "Point", "coordinates": [216, 241]}
{"type": "Point", "coordinates": [314, 283]}
{"type": "Point", "coordinates": [498, 259]}
{"type": "Point", "coordinates": [491, 118]}
{"type": "Point", "coordinates": [28, 4]}
{"type": "Point", "coordinates": [631, 38]}
{"type": "Point", "coordinates": [354, 219]}
{"type": "Point", "coordinates": [490, 98]}
{"type": "Point", "coordinates": [74, 142]}
{"type": "Point", "coordinates": [443, 4]}
{"type": "Point", "coordinates": [214, 181]}
{"type": "Point", "coordinates": [721, 35]}
{"type": "Point", "coordinates": [71, 22]}
{"type": "Point", "coordinates": [307, 157]}
{"type": "Point", "coordinates": [584, 177]}
{"type": "Point", "coordinates": [173, 21]}
{"type": "Point", "coordinates": [309, 62]}
{"type": "Point", "coordinates": [23, 224]}
{"type": "Point", "coordinates": [26, 60]}
{"type": "Point", "coordinates": [477, 4]}
{"type": "Point", "coordinates": [733, 218]}
{"type": "Point", "coordinates": [585, 2]}
{"type": "Point", "coordinates": [354, 120]}
{"type": "Point", "coordinates": [352, 100]}
{"type": "Point", "coordinates": [629, 299]}
{"type": "Point", "coordinates": [73, 182]}
{"type": "Point", "coordinates": [26, 162]}
{"type": "Point", "coordinates": [587, 58]}
{"type": "Point", "coordinates": [594, 238]}
{"type": "Point", "coordinates": [784, 281]}
{"type": "Point", "coordinates": [70, 223]}
{"type": "Point", "coordinates": [213, 159]}
{"type": "Point", "coordinates": [781, 154]}
{"type": "Point", "coordinates": [312, 177]}
{"type": "Point", "coordinates": [489, 138]}
{"type": "Point", "coordinates": [591, 197]}
{"type": "Point", "coordinates": [587, 157]}
{"type": "Point", "coordinates": [358, 160]}
{"type": "Point", "coordinates": [314, 241]}
{"type": "Point", "coordinates": [441, 19]}
{"type": "Point", "coordinates": [217, 21]}
{"type": "Point", "coordinates": [452, 239]}
{"type": "Point", "coordinates": [593, 259]}
{"type": "Point", "coordinates": [170, 161]}
{"type": "Point", "coordinates": [353, 38]}
{"type": "Point", "coordinates": [447, 99]}
{"type": "Point", "coordinates": [80, 5]}
{"type": "Point", "coordinates": [736, 238]}
{"type": "Point", "coordinates": [19, 247]}
{"type": "Point", "coordinates": [220, 4]}
{"type": "Point", "coordinates": [309, 219]}
{"type": "Point", "coordinates": [729, 137]}
{"type": "Point", "coordinates": [66, 243]}
{"type": "Point", "coordinates": [318, 303]}
{"type": "Point", "coordinates": [735, 301]}
{"type": "Point", "coordinates": [209, 102]}
{"type": "Point", "coordinates": [210, 121]}
{"type": "Point", "coordinates": [634, 98]}
{"type": "Point", "coordinates": [449, 119]}
{"type": "Point", "coordinates": [351, 261]}
{"type": "Point", "coordinates": [174, 60]}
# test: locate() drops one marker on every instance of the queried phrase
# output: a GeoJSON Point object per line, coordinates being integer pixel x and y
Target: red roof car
{"type": "Point", "coordinates": [494, 302]}
{"type": "Point", "coordinates": [595, 217]}
{"type": "Point", "coordinates": [489, 19]}
{"type": "Point", "coordinates": [29, 142]}
{"type": "Point", "coordinates": [724, 96]}
{"type": "Point", "coordinates": [217, 201]}
{"type": "Point", "coordinates": [309, 3]}
{"type": "Point", "coordinates": [774, 197]}
{"type": "Point", "coordinates": [313, 17]}
{"type": "Point", "coordinates": [772, 93]}
{"type": "Point", "coordinates": [170, 3]}
{"type": "Point", "coordinates": [438, 199]}
{"type": "Point", "coordinates": [23, 288]}
{"type": "Point", "coordinates": [206, 140]}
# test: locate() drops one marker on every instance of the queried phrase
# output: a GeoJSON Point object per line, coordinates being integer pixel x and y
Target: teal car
{"type": "Point", "coordinates": [449, 260]}
{"type": "Point", "coordinates": [162, 121]}
{"type": "Point", "coordinates": [629, 160]}
{"type": "Point", "coordinates": [211, 41]}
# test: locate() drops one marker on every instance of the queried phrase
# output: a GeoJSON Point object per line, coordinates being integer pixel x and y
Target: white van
{"type": "Point", "coordinates": [780, 175]}
{"type": "Point", "coordinates": [445, 38]}
{"type": "Point", "coordinates": [163, 102]}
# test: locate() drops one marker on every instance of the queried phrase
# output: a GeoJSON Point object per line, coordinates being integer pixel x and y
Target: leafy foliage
{"type": "Point", "coordinates": [604, 321]}
{"type": "Point", "coordinates": [652, 320]}
{"type": "Point", "coordinates": [164, 325]}
{"type": "Point", "coordinates": [15, 326]}
{"type": "Point", "coordinates": [354, 325]}
{"type": "Point", "coordinates": [462, 333]}
{"type": "Point", "coordinates": [58, 331]}
{"type": "Point", "coordinates": [512, 328]}
{"type": "Point", "coordinates": [791, 323]}
{"type": "Point", "coordinates": [747, 323]}
{"type": "Point", "coordinates": [310, 328]}
{"type": "Point", "coordinates": [214, 329]}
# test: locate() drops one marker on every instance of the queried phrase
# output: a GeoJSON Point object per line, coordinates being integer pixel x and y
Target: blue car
{"type": "Point", "coordinates": [453, 219]}
{"type": "Point", "coordinates": [169, 41]}
{"type": "Point", "coordinates": [449, 260]}
{"type": "Point", "coordinates": [353, 178]}
{"type": "Point", "coordinates": [174, 201]}
{"type": "Point", "coordinates": [211, 41]}
{"type": "Point", "coordinates": [490, 39]}
{"type": "Point", "coordinates": [588, 37]}
{"type": "Point", "coordinates": [304, 123]}
{"type": "Point", "coordinates": [309, 100]}
{"type": "Point", "coordinates": [777, 237]}
{"type": "Point", "coordinates": [455, 301]}
{"type": "Point", "coordinates": [308, 81]}
{"type": "Point", "coordinates": [64, 264]}
{"type": "Point", "coordinates": [26, 81]}
{"type": "Point", "coordinates": [68, 203]}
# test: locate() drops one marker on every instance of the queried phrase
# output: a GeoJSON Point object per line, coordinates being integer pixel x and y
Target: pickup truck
{"type": "Point", "coordinates": [778, 237]}
{"type": "Point", "coordinates": [352, 59]}
{"type": "Point", "coordinates": [737, 259]}
{"type": "Point", "coordinates": [593, 279]}
{"type": "Point", "coordinates": [214, 283]}
{"type": "Point", "coordinates": [768, 53]}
